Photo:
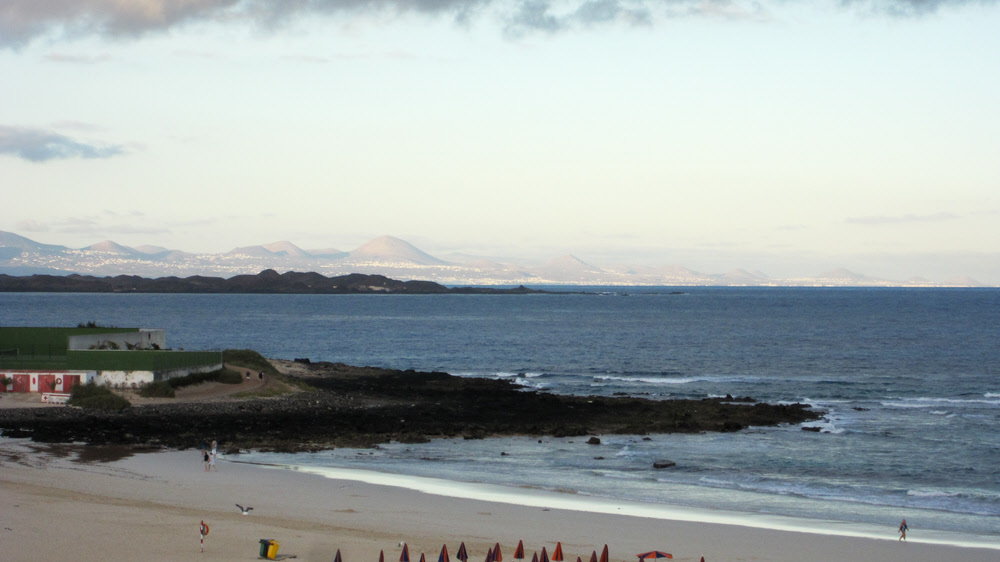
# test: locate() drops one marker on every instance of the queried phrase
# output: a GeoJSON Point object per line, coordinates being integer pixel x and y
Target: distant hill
{"type": "Point", "coordinates": [387, 248]}
{"type": "Point", "coordinates": [11, 240]}
{"type": "Point", "coordinates": [286, 248]}
{"type": "Point", "coordinates": [398, 259]}
{"type": "Point", "coordinates": [110, 247]}
{"type": "Point", "coordinates": [147, 249]}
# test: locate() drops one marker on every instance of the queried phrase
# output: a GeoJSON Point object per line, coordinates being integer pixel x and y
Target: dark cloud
{"type": "Point", "coordinates": [39, 145]}
{"type": "Point", "coordinates": [552, 16]}
{"type": "Point", "coordinates": [24, 20]}
{"type": "Point", "coordinates": [908, 7]}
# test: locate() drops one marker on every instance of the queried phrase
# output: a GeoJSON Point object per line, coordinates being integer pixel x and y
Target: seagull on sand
{"type": "Point", "coordinates": [245, 510]}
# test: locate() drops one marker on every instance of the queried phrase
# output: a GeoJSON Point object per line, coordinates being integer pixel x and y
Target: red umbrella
{"type": "Point", "coordinates": [654, 554]}
{"type": "Point", "coordinates": [578, 559]}
{"type": "Point", "coordinates": [337, 558]}
{"type": "Point", "coordinates": [489, 555]}
{"type": "Point", "coordinates": [519, 551]}
{"type": "Point", "coordinates": [557, 555]}
{"type": "Point", "coordinates": [422, 559]}
{"type": "Point", "coordinates": [604, 554]}
{"type": "Point", "coordinates": [381, 556]}
{"type": "Point", "coordinates": [463, 554]}
{"type": "Point", "coordinates": [405, 555]}
{"type": "Point", "coordinates": [593, 556]}
{"type": "Point", "coordinates": [443, 557]}
{"type": "Point", "coordinates": [545, 555]}
{"type": "Point", "coordinates": [497, 555]}
{"type": "Point", "coordinates": [534, 557]}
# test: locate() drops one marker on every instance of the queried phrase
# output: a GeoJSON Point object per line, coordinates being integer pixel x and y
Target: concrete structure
{"type": "Point", "coordinates": [52, 360]}
{"type": "Point", "coordinates": [142, 339]}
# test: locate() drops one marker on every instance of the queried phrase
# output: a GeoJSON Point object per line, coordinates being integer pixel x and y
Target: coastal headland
{"type": "Point", "coordinates": [128, 493]}
{"type": "Point", "coordinates": [268, 281]}
{"type": "Point", "coordinates": [331, 405]}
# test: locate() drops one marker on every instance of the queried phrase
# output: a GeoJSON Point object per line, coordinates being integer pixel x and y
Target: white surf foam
{"type": "Point", "coordinates": [575, 502]}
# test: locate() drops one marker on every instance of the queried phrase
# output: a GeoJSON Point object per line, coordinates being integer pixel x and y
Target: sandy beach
{"type": "Point", "coordinates": [55, 505]}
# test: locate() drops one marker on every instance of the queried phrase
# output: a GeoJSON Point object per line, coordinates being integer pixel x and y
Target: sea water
{"type": "Point", "coordinates": [908, 378]}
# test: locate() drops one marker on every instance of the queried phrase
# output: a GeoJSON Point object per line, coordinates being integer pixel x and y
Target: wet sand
{"type": "Point", "coordinates": [53, 506]}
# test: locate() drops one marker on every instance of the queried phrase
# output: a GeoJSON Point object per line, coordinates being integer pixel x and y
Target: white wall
{"type": "Point", "coordinates": [137, 378]}
{"type": "Point", "coordinates": [144, 338]}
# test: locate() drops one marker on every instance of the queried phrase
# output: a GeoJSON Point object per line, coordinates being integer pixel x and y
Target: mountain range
{"type": "Point", "coordinates": [387, 256]}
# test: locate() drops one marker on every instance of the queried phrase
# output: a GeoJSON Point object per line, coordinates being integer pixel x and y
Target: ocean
{"type": "Point", "coordinates": [909, 378]}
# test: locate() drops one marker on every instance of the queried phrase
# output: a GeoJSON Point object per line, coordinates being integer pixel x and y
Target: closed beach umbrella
{"type": "Point", "coordinates": [519, 551]}
{"type": "Point", "coordinates": [604, 554]}
{"type": "Point", "coordinates": [443, 557]}
{"type": "Point", "coordinates": [578, 559]}
{"type": "Point", "coordinates": [463, 554]}
{"type": "Point", "coordinates": [545, 555]}
{"type": "Point", "coordinates": [593, 556]}
{"type": "Point", "coordinates": [497, 555]}
{"type": "Point", "coordinates": [557, 554]}
{"type": "Point", "coordinates": [489, 555]}
{"type": "Point", "coordinates": [337, 558]}
{"type": "Point", "coordinates": [422, 559]}
{"type": "Point", "coordinates": [405, 555]}
{"type": "Point", "coordinates": [534, 557]}
{"type": "Point", "coordinates": [654, 554]}
{"type": "Point", "coordinates": [381, 556]}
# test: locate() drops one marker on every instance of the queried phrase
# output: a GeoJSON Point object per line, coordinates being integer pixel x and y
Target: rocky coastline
{"type": "Point", "coordinates": [268, 281]}
{"type": "Point", "coordinates": [344, 406]}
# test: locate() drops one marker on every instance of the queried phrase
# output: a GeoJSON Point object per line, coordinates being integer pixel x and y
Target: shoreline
{"type": "Point", "coordinates": [527, 496]}
{"type": "Point", "coordinates": [147, 507]}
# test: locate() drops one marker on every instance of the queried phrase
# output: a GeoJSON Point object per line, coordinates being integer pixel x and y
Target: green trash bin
{"type": "Point", "coordinates": [264, 545]}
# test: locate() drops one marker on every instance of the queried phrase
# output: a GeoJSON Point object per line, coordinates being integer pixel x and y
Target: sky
{"type": "Point", "coordinates": [774, 135]}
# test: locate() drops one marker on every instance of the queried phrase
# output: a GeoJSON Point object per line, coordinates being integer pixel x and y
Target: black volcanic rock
{"type": "Point", "coordinates": [266, 282]}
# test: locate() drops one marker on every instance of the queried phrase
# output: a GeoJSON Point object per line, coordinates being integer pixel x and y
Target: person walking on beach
{"type": "Point", "coordinates": [902, 530]}
{"type": "Point", "coordinates": [211, 462]}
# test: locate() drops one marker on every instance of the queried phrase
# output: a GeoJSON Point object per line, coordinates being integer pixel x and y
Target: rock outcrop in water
{"type": "Point", "coordinates": [365, 406]}
{"type": "Point", "coordinates": [265, 282]}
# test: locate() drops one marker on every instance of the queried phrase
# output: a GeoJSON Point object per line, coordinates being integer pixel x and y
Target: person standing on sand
{"type": "Point", "coordinates": [902, 530]}
{"type": "Point", "coordinates": [211, 462]}
{"type": "Point", "coordinates": [205, 460]}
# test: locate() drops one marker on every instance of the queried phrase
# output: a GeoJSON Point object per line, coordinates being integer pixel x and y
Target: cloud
{"type": "Point", "coordinates": [908, 8]}
{"type": "Point", "coordinates": [39, 145]}
{"type": "Point", "coordinates": [105, 224]}
{"type": "Point", "coordinates": [77, 59]}
{"type": "Point", "coordinates": [79, 126]}
{"type": "Point", "coordinates": [902, 219]}
{"type": "Point", "coordinates": [553, 16]}
{"type": "Point", "coordinates": [31, 225]}
{"type": "Point", "coordinates": [22, 21]}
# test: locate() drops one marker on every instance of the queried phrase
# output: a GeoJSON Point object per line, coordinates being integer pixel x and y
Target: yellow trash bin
{"type": "Point", "coordinates": [272, 550]}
